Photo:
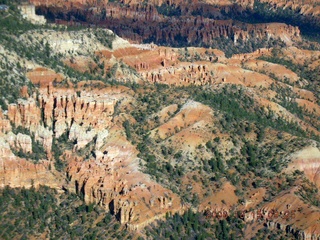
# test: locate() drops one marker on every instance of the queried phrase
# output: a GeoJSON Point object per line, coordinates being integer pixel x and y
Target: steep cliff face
{"type": "Point", "coordinates": [16, 171]}
{"type": "Point", "coordinates": [25, 113]}
{"type": "Point", "coordinates": [113, 181]}
{"type": "Point", "coordinates": [63, 108]}
{"type": "Point", "coordinates": [191, 30]}
{"type": "Point", "coordinates": [20, 141]}
{"type": "Point", "coordinates": [309, 9]}
{"type": "Point", "coordinates": [109, 174]}
{"type": "Point", "coordinates": [141, 22]}
{"type": "Point", "coordinates": [28, 12]}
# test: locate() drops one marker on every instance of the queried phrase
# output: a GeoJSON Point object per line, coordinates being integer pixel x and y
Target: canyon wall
{"type": "Point", "coordinates": [141, 22]}
{"type": "Point", "coordinates": [102, 167]}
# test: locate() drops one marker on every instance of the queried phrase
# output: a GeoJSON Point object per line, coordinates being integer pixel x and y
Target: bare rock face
{"type": "Point", "coordinates": [5, 149]}
{"type": "Point", "coordinates": [191, 31]}
{"type": "Point", "coordinates": [109, 173]}
{"type": "Point", "coordinates": [17, 172]}
{"type": "Point", "coordinates": [25, 113]}
{"type": "Point", "coordinates": [28, 11]}
{"type": "Point", "coordinates": [45, 137]}
{"type": "Point", "coordinates": [101, 138]}
{"type": "Point", "coordinates": [53, 112]}
{"type": "Point", "coordinates": [80, 135]}
{"type": "Point", "coordinates": [5, 125]}
{"type": "Point", "coordinates": [62, 109]}
{"type": "Point", "coordinates": [111, 179]}
{"type": "Point", "coordinates": [20, 141]}
{"type": "Point", "coordinates": [147, 23]}
{"type": "Point", "coordinates": [42, 76]}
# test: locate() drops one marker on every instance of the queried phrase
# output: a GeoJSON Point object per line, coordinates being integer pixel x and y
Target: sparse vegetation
{"type": "Point", "coordinates": [241, 143]}
{"type": "Point", "coordinates": [309, 193]}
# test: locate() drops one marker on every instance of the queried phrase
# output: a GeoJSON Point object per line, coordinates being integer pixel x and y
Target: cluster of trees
{"type": "Point", "coordinates": [159, 169]}
{"type": "Point", "coordinates": [216, 163]}
{"type": "Point", "coordinates": [169, 10]}
{"type": "Point", "coordinates": [309, 193]}
{"type": "Point", "coordinates": [58, 146]}
{"type": "Point", "coordinates": [236, 114]}
{"type": "Point", "coordinates": [11, 79]}
{"type": "Point", "coordinates": [237, 105]}
{"type": "Point", "coordinates": [194, 225]}
{"type": "Point", "coordinates": [303, 71]}
{"type": "Point", "coordinates": [34, 213]}
{"type": "Point", "coordinates": [275, 234]}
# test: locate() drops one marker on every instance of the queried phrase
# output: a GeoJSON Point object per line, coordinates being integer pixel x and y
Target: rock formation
{"type": "Point", "coordinates": [109, 176]}
{"type": "Point", "coordinates": [147, 24]}
{"type": "Point", "coordinates": [18, 172]}
{"type": "Point", "coordinates": [28, 11]}
{"type": "Point", "coordinates": [102, 166]}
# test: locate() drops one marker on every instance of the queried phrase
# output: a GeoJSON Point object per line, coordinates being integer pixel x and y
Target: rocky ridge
{"type": "Point", "coordinates": [185, 28]}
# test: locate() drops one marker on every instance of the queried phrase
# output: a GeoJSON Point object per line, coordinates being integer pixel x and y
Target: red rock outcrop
{"type": "Point", "coordinates": [43, 76]}
{"type": "Point", "coordinates": [146, 24]}
{"type": "Point", "coordinates": [25, 113]}
{"type": "Point", "coordinates": [109, 174]}
{"type": "Point", "coordinates": [113, 181]}
{"type": "Point", "coordinates": [18, 172]}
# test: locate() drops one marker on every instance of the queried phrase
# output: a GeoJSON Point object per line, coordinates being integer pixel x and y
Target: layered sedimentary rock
{"type": "Point", "coordinates": [25, 113]}
{"type": "Point", "coordinates": [113, 181]}
{"type": "Point", "coordinates": [308, 161]}
{"type": "Point", "coordinates": [145, 22]}
{"type": "Point", "coordinates": [107, 172]}
{"type": "Point", "coordinates": [19, 172]}
{"type": "Point", "coordinates": [101, 165]}
{"type": "Point", "coordinates": [192, 30]}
